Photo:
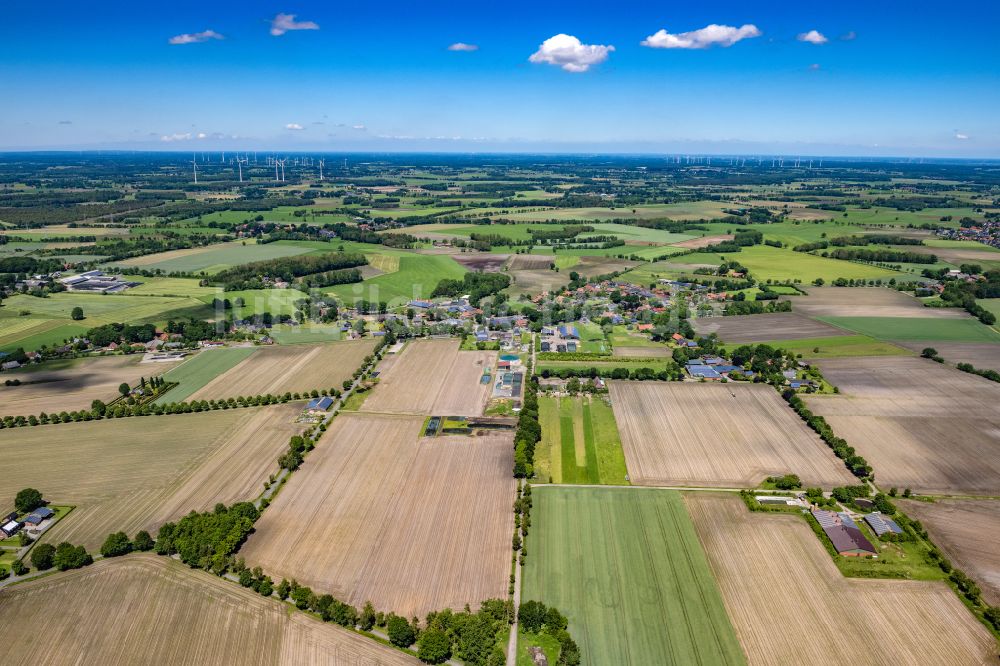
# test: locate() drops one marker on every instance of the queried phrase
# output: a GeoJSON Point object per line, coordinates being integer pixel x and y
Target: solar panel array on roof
{"type": "Point", "coordinates": [881, 524]}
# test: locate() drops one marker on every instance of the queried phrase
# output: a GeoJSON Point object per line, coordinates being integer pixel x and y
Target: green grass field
{"type": "Point", "coordinates": [626, 568]}
{"type": "Point", "coordinates": [417, 276]}
{"type": "Point", "coordinates": [257, 301]}
{"type": "Point", "coordinates": [48, 332]}
{"type": "Point", "coordinates": [771, 263]}
{"type": "Point", "coordinates": [991, 304]}
{"type": "Point", "coordinates": [837, 347]}
{"type": "Point", "coordinates": [580, 442]}
{"type": "Point", "coordinates": [166, 286]}
{"type": "Point", "coordinates": [305, 333]}
{"type": "Point", "coordinates": [213, 258]}
{"type": "Point", "coordinates": [200, 369]}
{"type": "Point", "coordinates": [909, 328]}
{"type": "Point", "coordinates": [691, 210]}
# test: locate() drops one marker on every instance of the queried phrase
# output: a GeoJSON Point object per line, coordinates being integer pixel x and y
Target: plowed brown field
{"type": "Point", "coordinates": [790, 604]}
{"type": "Point", "coordinates": [868, 302]}
{"type": "Point", "coordinates": [433, 377]}
{"type": "Point", "coordinates": [144, 609]}
{"type": "Point", "coordinates": [290, 368]}
{"type": "Point", "coordinates": [742, 329]}
{"type": "Point", "coordinates": [377, 515]}
{"type": "Point", "coordinates": [921, 425]}
{"type": "Point", "coordinates": [718, 435]}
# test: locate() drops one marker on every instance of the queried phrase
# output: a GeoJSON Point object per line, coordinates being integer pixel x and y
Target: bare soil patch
{"type": "Point", "coordinates": [720, 435]}
{"type": "Point", "coordinates": [73, 387]}
{"type": "Point", "coordinates": [866, 302]}
{"type": "Point", "coordinates": [137, 473]}
{"type": "Point", "coordinates": [485, 262]}
{"type": "Point", "coordinates": [920, 424]}
{"type": "Point", "coordinates": [520, 262]}
{"type": "Point", "coordinates": [982, 355]}
{"type": "Point", "coordinates": [594, 266]}
{"type": "Point", "coordinates": [290, 368]}
{"type": "Point", "coordinates": [144, 609]}
{"type": "Point", "coordinates": [765, 327]}
{"type": "Point", "coordinates": [433, 377]}
{"type": "Point", "coordinates": [704, 241]}
{"type": "Point", "coordinates": [968, 532]}
{"type": "Point", "coordinates": [790, 604]}
{"type": "Point", "coordinates": [412, 525]}
{"type": "Point", "coordinates": [643, 352]}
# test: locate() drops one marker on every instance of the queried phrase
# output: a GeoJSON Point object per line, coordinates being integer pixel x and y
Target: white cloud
{"type": "Point", "coordinates": [361, 128]}
{"type": "Point", "coordinates": [569, 53]}
{"type": "Point", "coordinates": [294, 126]}
{"type": "Point", "coordinates": [814, 67]}
{"type": "Point", "coordinates": [710, 35]}
{"type": "Point", "coordinates": [202, 135]}
{"type": "Point", "coordinates": [961, 137]}
{"type": "Point", "coordinates": [812, 37]}
{"type": "Point", "coordinates": [282, 23]}
{"type": "Point", "coordinates": [186, 136]}
{"type": "Point", "coordinates": [195, 37]}
{"type": "Point", "coordinates": [462, 46]}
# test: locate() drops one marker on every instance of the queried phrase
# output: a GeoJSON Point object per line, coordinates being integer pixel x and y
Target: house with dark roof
{"type": "Point", "coordinates": [39, 515]}
{"type": "Point", "coordinates": [320, 404]}
{"type": "Point", "coordinates": [846, 538]}
{"type": "Point", "coordinates": [882, 524]}
{"type": "Point", "coordinates": [568, 332]}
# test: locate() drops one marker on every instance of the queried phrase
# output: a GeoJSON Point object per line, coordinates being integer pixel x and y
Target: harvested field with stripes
{"type": "Point", "coordinates": [531, 262]}
{"type": "Point", "coordinates": [137, 473]}
{"type": "Point", "coordinates": [967, 532]}
{"type": "Point", "coordinates": [867, 302]}
{"type": "Point", "coordinates": [743, 329]}
{"type": "Point", "coordinates": [433, 377]}
{"type": "Point", "coordinates": [790, 604]}
{"type": "Point", "coordinates": [704, 241]}
{"type": "Point", "coordinates": [920, 424]}
{"type": "Point", "coordinates": [376, 514]}
{"type": "Point", "coordinates": [66, 386]}
{"type": "Point", "coordinates": [150, 609]}
{"type": "Point", "coordinates": [717, 435]}
{"type": "Point", "coordinates": [289, 368]}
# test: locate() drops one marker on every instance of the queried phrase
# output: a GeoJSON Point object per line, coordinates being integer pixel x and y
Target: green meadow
{"type": "Point", "coordinates": [910, 328]}
{"type": "Point", "coordinates": [200, 369]}
{"type": "Point", "coordinates": [417, 277]}
{"type": "Point", "coordinates": [783, 265]}
{"type": "Point", "coordinates": [580, 442]}
{"type": "Point", "coordinates": [626, 568]}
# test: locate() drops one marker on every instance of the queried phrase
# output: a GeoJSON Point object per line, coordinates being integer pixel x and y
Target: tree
{"type": "Point", "coordinates": [400, 632]}
{"type": "Point", "coordinates": [68, 556]}
{"type": "Point", "coordinates": [124, 388]}
{"type": "Point", "coordinates": [116, 544]}
{"type": "Point", "coordinates": [531, 615]}
{"type": "Point", "coordinates": [929, 352]}
{"type": "Point", "coordinates": [42, 556]}
{"type": "Point", "coordinates": [142, 541]}
{"type": "Point", "coordinates": [77, 313]}
{"type": "Point", "coordinates": [367, 619]}
{"type": "Point", "coordinates": [18, 568]}
{"type": "Point", "coordinates": [27, 500]}
{"type": "Point", "coordinates": [434, 647]}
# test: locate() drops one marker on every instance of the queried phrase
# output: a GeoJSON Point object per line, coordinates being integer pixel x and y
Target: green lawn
{"type": "Point", "coordinates": [837, 347]}
{"type": "Point", "coordinates": [257, 301]}
{"type": "Point", "coordinates": [98, 309]}
{"type": "Point", "coordinates": [294, 335]}
{"type": "Point", "coordinates": [580, 442]}
{"type": "Point", "coordinates": [417, 276]}
{"type": "Point", "coordinates": [166, 286]}
{"type": "Point", "coordinates": [910, 328]}
{"type": "Point", "coordinates": [200, 369]}
{"type": "Point", "coordinates": [991, 304]}
{"type": "Point", "coordinates": [626, 568]}
{"type": "Point", "coordinates": [783, 265]}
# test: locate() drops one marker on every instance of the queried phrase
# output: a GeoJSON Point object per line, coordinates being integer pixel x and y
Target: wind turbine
{"type": "Point", "coordinates": [239, 165]}
{"type": "Point", "coordinates": [275, 170]}
{"type": "Point", "coordinates": [321, 162]}
{"type": "Point", "coordinates": [194, 165]}
{"type": "Point", "coordinates": [282, 163]}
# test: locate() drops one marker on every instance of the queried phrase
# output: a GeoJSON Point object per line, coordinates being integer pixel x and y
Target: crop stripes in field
{"type": "Point", "coordinates": [609, 520]}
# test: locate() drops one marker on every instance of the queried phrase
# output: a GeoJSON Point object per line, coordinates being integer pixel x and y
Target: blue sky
{"type": "Point", "coordinates": [362, 75]}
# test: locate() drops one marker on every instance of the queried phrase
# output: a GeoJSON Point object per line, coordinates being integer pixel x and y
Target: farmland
{"type": "Point", "coordinates": [744, 329]}
{"type": "Point", "coordinates": [718, 435]}
{"type": "Point", "coordinates": [136, 473]}
{"type": "Point", "coordinates": [199, 370]}
{"type": "Point", "coordinates": [580, 442]}
{"type": "Point", "coordinates": [837, 346]}
{"type": "Point", "coordinates": [981, 355]}
{"type": "Point", "coordinates": [72, 384]}
{"type": "Point", "coordinates": [790, 604]}
{"type": "Point", "coordinates": [931, 329]}
{"type": "Point", "coordinates": [783, 265]}
{"type": "Point", "coordinates": [416, 278]}
{"type": "Point", "coordinates": [212, 258]}
{"type": "Point", "coordinates": [613, 560]}
{"type": "Point", "coordinates": [433, 377]}
{"type": "Point", "coordinates": [143, 606]}
{"type": "Point", "coordinates": [965, 530]}
{"type": "Point", "coordinates": [868, 302]}
{"type": "Point", "coordinates": [920, 424]}
{"type": "Point", "coordinates": [287, 369]}
{"type": "Point", "coordinates": [377, 515]}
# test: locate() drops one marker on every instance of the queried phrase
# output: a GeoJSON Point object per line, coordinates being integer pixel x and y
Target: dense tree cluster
{"type": "Point", "coordinates": [475, 285]}
{"type": "Point", "coordinates": [250, 276]}
{"type": "Point", "coordinates": [206, 540]}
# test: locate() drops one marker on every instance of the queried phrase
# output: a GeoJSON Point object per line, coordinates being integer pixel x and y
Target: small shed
{"type": "Point", "coordinates": [320, 404]}
{"type": "Point", "coordinates": [10, 528]}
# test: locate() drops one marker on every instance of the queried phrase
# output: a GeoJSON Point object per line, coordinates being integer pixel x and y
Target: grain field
{"type": "Point", "coordinates": [867, 302]}
{"type": "Point", "coordinates": [136, 473]}
{"type": "Point", "coordinates": [144, 609]}
{"type": "Point", "coordinates": [790, 604]}
{"type": "Point", "coordinates": [378, 515]}
{"type": "Point", "coordinates": [743, 329]}
{"type": "Point", "coordinates": [717, 435]}
{"type": "Point", "coordinates": [290, 368]}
